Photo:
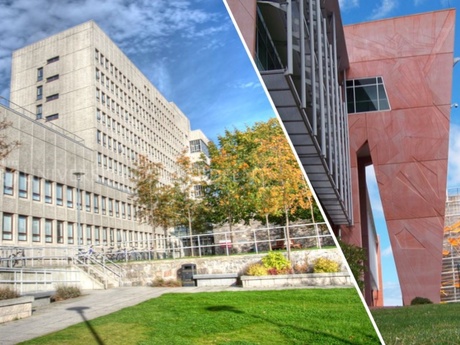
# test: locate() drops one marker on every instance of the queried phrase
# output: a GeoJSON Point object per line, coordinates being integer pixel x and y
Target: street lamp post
{"type": "Point", "coordinates": [78, 175]}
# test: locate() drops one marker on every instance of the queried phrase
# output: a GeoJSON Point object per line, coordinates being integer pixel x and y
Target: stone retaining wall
{"type": "Point", "coordinates": [15, 308]}
{"type": "Point", "coordinates": [144, 273]}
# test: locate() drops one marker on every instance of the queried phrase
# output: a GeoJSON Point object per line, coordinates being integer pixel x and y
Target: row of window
{"type": "Point", "coordinates": [44, 230]}
{"type": "Point", "coordinates": [119, 76]}
{"type": "Point", "coordinates": [135, 140]}
{"type": "Point", "coordinates": [60, 195]}
{"type": "Point", "coordinates": [366, 94]}
{"type": "Point", "coordinates": [40, 76]}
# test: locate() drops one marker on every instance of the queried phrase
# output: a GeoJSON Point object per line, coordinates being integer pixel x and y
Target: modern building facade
{"type": "Point", "coordinates": [83, 113]}
{"type": "Point", "coordinates": [374, 93]}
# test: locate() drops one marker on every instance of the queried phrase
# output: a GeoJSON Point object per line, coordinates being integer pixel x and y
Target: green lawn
{"type": "Point", "coordinates": [421, 324]}
{"type": "Point", "coordinates": [301, 316]}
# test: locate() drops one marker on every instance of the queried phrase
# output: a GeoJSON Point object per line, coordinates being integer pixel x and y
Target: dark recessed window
{"type": "Point", "coordinates": [53, 77]}
{"type": "Point", "coordinates": [52, 117]}
{"type": "Point", "coordinates": [52, 97]}
{"type": "Point", "coordinates": [366, 95]}
{"type": "Point", "coordinates": [39, 112]}
{"type": "Point", "coordinates": [53, 59]}
{"type": "Point", "coordinates": [40, 74]}
{"type": "Point", "coordinates": [39, 92]}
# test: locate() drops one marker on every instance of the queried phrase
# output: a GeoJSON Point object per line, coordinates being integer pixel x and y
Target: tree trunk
{"type": "Point", "coordinates": [268, 232]}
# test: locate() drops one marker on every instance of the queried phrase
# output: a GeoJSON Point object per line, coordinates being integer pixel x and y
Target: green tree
{"type": "Point", "coordinates": [152, 199]}
{"type": "Point", "coordinates": [228, 194]}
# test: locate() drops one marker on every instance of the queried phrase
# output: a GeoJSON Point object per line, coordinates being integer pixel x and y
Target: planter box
{"type": "Point", "coordinates": [307, 279]}
{"type": "Point", "coordinates": [15, 308]}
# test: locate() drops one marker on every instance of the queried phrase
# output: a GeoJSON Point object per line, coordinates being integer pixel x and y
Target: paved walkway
{"type": "Point", "coordinates": [92, 304]}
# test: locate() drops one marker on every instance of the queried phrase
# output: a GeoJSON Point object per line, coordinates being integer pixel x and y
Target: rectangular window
{"type": "Point", "coordinates": [96, 235]}
{"type": "Point", "coordinates": [70, 233]}
{"type": "Point", "coordinates": [88, 234]}
{"type": "Point", "coordinates": [52, 117]}
{"type": "Point", "coordinates": [39, 92]}
{"type": "Point", "coordinates": [48, 231]}
{"type": "Point", "coordinates": [110, 207]}
{"type": "Point", "coordinates": [96, 203]}
{"type": "Point", "coordinates": [112, 237]}
{"type": "Point", "coordinates": [104, 236]}
{"type": "Point", "coordinates": [103, 204]}
{"type": "Point", "coordinates": [36, 230]}
{"type": "Point", "coordinates": [36, 188]}
{"type": "Point", "coordinates": [129, 212]}
{"type": "Point", "coordinates": [88, 201]}
{"type": "Point", "coordinates": [117, 208]}
{"type": "Point", "coordinates": [22, 228]}
{"type": "Point", "coordinates": [7, 230]}
{"type": "Point", "coordinates": [52, 78]}
{"type": "Point", "coordinates": [53, 59]}
{"type": "Point", "coordinates": [123, 210]}
{"type": "Point", "coordinates": [39, 112]}
{"type": "Point", "coordinates": [8, 182]}
{"type": "Point", "coordinates": [52, 97]}
{"type": "Point", "coordinates": [59, 194]}
{"type": "Point", "coordinates": [60, 232]}
{"type": "Point", "coordinates": [69, 196]}
{"type": "Point", "coordinates": [48, 192]}
{"type": "Point", "coordinates": [40, 74]}
{"type": "Point", "coordinates": [23, 188]}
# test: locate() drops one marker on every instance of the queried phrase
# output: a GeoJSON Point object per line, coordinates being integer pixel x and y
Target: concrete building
{"type": "Point", "coordinates": [374, 93]}
{"type": "Point", "coordinates": [83, 113]}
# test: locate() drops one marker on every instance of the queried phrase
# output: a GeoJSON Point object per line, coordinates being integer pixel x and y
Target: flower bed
{"type": "Point", "coordinates": [306, 279]}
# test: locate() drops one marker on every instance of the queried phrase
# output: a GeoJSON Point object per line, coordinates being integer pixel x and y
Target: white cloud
{"type": "Point", "coordinates": [392, 294]}
{"type": "Point", "coordinates": [136, 26]}
{"type": "Point", "coordinates": [388, 251]}
{"type": "Point", "coordinates": [454, 157]}
{"type": "Point", "coordinates": [348, 4]}
{"type": "Point", "coordinates": [385, 8]}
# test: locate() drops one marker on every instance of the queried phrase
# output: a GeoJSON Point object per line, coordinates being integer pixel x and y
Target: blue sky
{"type": "Point", "coordinates": [188, 49]}
{"type": "Point", "coordinates": [356, 11]}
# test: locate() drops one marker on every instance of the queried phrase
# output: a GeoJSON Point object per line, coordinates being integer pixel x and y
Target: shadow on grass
{"type": "Point", "coordinates": [227, 308]}
{"type": "Point", "coordinates": [80, 310]}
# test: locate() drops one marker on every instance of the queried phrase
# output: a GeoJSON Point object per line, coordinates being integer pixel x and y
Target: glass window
{"type": "Point", "coordinates": [52, 97]}
{"type": "Point", "coordinates": [23, 188]}
{"type": "Point", "coordinates": [88, 201]}
{"type": "Point", "coordinates": [96, 235]}
{"type": "Point", "coordinates": [36, 230]}
{"type": "Point", "coordinates": [88, 234]}
{"type": "Point", "coordinates": [70, 233]}
{"type": "Point", "coordinates": [39, 112]}
{"type": "Point", "coordinates": [40, 74]}
{"type": "Point", "coordinates": [117, 208]}
{"type": "Point", "coordinates": [96, 203]}
{"type": "Point", "coordinates": [52, 78]}
{"type": "Point", "coordinates": [22, 228]}
{"type": "Point", "coordinates": [48, 192]}
{"type": "Point", "coordinates": [60, 232]}
{"type": "Point", "coordinates": [52, 117]}
{"type": "Point", "coordinates": [104, 236]}
{"type": "Point", "coordinates": [8, 182]}
{"type": "Point", "coordinates": [69, 196]}
{"type": "Point", "coordinates": [110, 207]}
{"type": "Point", "coordinates": [53, 59]}
{"type": "Point", "coordinates": [48, 231]}
{"type": "Point", "coordinates": [39, 92]}
{"type": "Point", "coordinates": [36, 188]}
{"type": "Point", "coordinates": [7, 227]}
{"type": "Point", "coordinates": [103, 204]}
{"type": "Point", "coordinates": [366, 95]}
{"type": "Point", "coordinates": [59, 194]}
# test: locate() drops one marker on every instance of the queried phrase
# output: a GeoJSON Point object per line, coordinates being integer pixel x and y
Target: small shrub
{"type": "Point", "coordinates": [8, 293]}
{"type": "Point", "coordinates": [324, 265]}
{"type": "Point", "coordinates": [66, 291]}
{"type": "Point", "coordinates": [160, 282]}
{"type": "Point", "coordinates": [301, 268]}
{"type": "Point", "coordinates": [256, 269]}
{"type": "Point", "coordinates": [420, 300]}
{"type": "Point", "coordinates": [276, 260]}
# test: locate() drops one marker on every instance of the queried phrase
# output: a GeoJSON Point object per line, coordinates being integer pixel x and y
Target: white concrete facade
{"type": "Point", "coordinates": [80, 83]}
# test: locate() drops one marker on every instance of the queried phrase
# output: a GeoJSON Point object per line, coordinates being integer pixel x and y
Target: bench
{"type": "Point", "coordinates": [281, 244]}
{"type": "Point", "coordinates": [41, 298]}
{"type": "Point", "coordinates": [224, 279]}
